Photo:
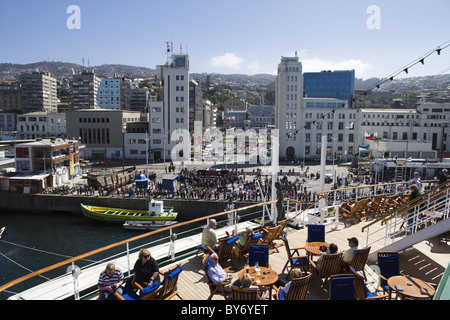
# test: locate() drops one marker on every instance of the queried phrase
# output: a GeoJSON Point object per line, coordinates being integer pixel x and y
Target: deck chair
{"type": "Point", "coordinates": [225, 251]}
{"type": "Point", "coordinates": [356, 211]}
{"type": "Point", "coordinates": [238, 293]}
{"type": "Point", "coordinates": [214, 289]}
{"type": "Point", "coordinates": [298, 289]}
{"type": "Point", "coordinates": [331, 264]}
{"type": "Point", "coordinates": [316, 233]}
{"type": "Point", "coordinates": [258, 254]}
{"type": "Point", "coordinates": [359, 260]}
{"type": "Point", "coordinates": [342, 287]}
{"type": "Point", "coordinates": [283, 224]}
{"type": "Point", "coordinates": [346, 207]}
{"type": "Point", "coordinates": [168, 288]}
{"type": "Point", "coordinates": [252, 240]}
{"type": "Point", "coordinates": [270, 235]}
{"type": "Point", "coordinates": [127, 294]}
{"type": "Point", "coordinates": [389, 265]}
{"type": "Point", "coordinates": [295, 260]}
{"type": "Point", "coordinates": [361, 291]}
{"type": "Point", "coordinates": [372, 207]}
{"type": "Point", "coordinates": [386, 206]}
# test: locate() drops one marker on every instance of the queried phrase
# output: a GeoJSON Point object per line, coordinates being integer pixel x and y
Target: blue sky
{"type": "Point", "coordinates": [245, 36]}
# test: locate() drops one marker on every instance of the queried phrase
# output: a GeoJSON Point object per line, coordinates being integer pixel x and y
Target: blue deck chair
{"type": "Point", "coordinates": [200, 249]}
{"type": "Point", "coordinates": [295, 260]}
{"type": "Point", "coordinates": [342, 287]}
{"type": "Point", "coordinates": [316, 233]}
{"type": "Point", "coordinates": [127, 294]}
{"type": "Point", "coordinates": [389, 265]}
{"type": "Point", "coordinates": [361, 290]}
{"type": "Point", "coordinates": [258, 254]}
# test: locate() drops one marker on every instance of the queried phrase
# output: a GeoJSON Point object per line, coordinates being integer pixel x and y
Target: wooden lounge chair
{"type": "Point", "coordinates": [283, 225]}
{"type": "Point", "coordinates": [372, 207]}
{"type": "Point", "coordinates": [270, 235]}
{"type": "Point", "coordinates": [359, 260]}
{"type": "Point", "coordinates": [295, 260]}
{"type": "Point", "coordinates": [346, 207]}
{"type": "Point", "coordinates": [298, 289]}
{"type": "Point", "coordinates": [387, 205]}
{"type": "Point", "coordinates": [331, 264]}
{"type": "Point", "coordinates": [252, 240]}
{"type": "Point", "coordinates": [214, 289]}
{"type": "Point", "coordinates": [356, 211]}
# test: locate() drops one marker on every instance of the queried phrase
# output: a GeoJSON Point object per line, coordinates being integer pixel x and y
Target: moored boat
{"type": "Point", "coordinates": [156, 212]}
{"type": "Point", "coordinates": [147, 225]}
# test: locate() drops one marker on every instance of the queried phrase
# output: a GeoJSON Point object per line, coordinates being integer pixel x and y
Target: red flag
{"type": "Point", "coordinates": [370, 137]}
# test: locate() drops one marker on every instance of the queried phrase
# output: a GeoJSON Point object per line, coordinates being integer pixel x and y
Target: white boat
{"type": "Point", "coordinates": [147, 225]}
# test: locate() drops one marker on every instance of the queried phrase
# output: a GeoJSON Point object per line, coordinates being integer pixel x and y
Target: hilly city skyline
{"type": "Point", "coordinates": [235, 37]}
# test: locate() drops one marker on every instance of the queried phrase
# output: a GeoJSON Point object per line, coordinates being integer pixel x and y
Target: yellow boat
{"type": "Point", "coordinates": [156, 212]}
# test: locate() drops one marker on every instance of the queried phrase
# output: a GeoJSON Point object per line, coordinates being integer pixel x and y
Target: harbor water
{"type": "Point", "coordinates": [34, 241]}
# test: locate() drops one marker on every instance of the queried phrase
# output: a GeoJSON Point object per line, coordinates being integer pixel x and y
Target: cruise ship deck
{"type": "Point", "coordinates": [426, 260]}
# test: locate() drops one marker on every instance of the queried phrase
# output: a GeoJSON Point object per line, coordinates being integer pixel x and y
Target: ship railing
{"type": "Point", "coordinates": [166, 248]}
{"type": "Point", "coordinates": [423, 212]}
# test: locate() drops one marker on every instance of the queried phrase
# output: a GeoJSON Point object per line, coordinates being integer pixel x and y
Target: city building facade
{"type": "Point", "coordinates": [40, 125]}
{"type": "Point", "coordinates": [169, 125]}
{"type": "Point", "coordinates": [38, 92]}
{"type": "Point", "coordinates": [85, 89]}
{"type": "Point", "coordinates": [101, 131]}
{"type": "Point", "coordinates": [10, 97]}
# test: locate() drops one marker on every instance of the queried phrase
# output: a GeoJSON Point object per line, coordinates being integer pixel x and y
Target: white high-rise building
{"type": "Point", "coordinates": [303, 121]}
{"type": "Point", "coordinates": [169, 119]}
{"type": "Point", "coordinates": [288, 104]}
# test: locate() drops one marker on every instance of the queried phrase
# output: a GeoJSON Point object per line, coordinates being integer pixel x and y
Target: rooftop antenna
{"type": "Point", "coordinates": [169, 49]}
{"type": "Point", "coordinates": [82, 60]}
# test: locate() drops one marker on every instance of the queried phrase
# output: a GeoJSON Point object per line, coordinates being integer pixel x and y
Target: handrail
{"type": "Point", "coordinates": [372, 185]}
{"type": "Point", "coordinates": [429, 196]}
{"type": "Point", "coordinates": [116, 244]}
{"type": "Point", "coordinates": [422, 199]}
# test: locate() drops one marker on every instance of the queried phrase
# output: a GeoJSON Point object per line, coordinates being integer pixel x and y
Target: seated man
{"type": "Point", "coordinates": [209, 237]}
{"type": "Point", "coordinates": [110, 281]}
{"type": "Point", "coordinates": [216, 272]}
{"type": "Point", "coordinates": [353, 243]}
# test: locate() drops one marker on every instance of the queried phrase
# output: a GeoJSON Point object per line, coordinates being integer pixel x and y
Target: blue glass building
{"type": "Point", "coordinates": [330, 84]}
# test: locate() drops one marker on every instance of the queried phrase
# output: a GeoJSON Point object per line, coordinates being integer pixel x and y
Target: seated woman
{"type": "Point", "coordinates": [295, 273]}
{"type": "Point", "coordinates": [146, 270]}
{"type": "Point", "coordinates": [246, 282]}
{"type": "Point", "coordinates": [333, 248]}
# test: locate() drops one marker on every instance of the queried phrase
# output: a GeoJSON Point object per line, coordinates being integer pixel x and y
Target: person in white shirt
{"type": "Point", "coordinates": [216, 272]}
{"type": "Point", "coordinates": [353, 243]}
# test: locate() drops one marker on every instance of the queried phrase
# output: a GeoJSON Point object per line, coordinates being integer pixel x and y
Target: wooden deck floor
{"type": "Point", "coordinates": [426, 260]}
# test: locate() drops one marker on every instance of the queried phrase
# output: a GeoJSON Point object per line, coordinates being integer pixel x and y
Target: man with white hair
{"type": "Point", "coordinates": [443, 176]}
{"type": "Point", "coordinates": [209, 236]}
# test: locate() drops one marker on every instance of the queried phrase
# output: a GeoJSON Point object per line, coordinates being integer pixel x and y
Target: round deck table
{"type": "Point", "coordinates": [264, 277]}
{"type": "Point", "coordinates": [412, 287]}
{"type": "Point", "coordinates": [313, 248]}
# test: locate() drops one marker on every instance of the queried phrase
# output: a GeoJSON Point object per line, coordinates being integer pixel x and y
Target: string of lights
{"type": "Point", "coordinates": [391, 77]}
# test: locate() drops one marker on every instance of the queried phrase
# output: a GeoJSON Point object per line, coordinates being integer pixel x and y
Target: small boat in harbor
{"type": "Point", "coordinates": [147, 225]}
{"type": "Point", "coordinates": [155, 212]}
